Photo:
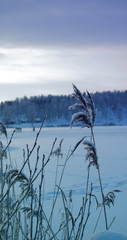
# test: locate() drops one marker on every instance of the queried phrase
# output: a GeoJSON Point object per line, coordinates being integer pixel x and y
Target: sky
{"type": "Point", "coordinates": [46, 45]}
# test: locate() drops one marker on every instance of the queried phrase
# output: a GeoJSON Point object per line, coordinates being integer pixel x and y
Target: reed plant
{"type": "Point", "coordinates": [22, 209]}
{"type": "Point", "coordinates": [85, 115]}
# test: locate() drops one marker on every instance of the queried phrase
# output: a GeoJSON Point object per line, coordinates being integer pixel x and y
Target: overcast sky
{"type": "Point", "coordinates": [46, 45]}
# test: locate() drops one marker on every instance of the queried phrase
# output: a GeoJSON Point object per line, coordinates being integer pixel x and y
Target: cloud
{"type": "Point", "coordinates": [38, 23]}
{"type": "Point", "coordinates": [2, 56]}
{"type": "Point", "coordinates": [36, 71]}
{"type": "Point", "coordinates": [26, 65]}
{"type": "Point", "coordinates": [47, 45]}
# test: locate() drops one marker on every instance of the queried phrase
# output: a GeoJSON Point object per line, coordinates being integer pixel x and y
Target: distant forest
{"type": "Point", "coordinates": [111, 109]}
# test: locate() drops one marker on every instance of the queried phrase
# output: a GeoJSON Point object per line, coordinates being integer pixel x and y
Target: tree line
{"type": "Point", "coordinates": [111, 108]}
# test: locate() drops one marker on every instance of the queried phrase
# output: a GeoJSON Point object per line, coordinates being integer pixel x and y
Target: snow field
{"type": "Point", "coordinates": [112, 154]}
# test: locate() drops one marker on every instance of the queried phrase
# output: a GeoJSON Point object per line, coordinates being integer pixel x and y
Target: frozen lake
{"type": "Point", "coordinates": [111, 143]}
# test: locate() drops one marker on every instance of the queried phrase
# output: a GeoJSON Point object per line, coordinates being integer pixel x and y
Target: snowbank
{"type": "Point", "coordinates": [107, 236]}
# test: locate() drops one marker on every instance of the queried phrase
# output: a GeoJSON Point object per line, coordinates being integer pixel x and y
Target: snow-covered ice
{"type": "Point", "coordinates": [108, 236]}
{"type": "Point", "coordinates": [111, 145]}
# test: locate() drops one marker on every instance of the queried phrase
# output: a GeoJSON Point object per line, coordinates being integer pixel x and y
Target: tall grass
{"type": "Point", "coordinates": [22, 209]}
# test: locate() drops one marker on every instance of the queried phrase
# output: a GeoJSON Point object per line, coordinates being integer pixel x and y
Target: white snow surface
{"type": "Point", "coordinates": [111, 145]}
{"type": "Point", "coordinates": [108, 236]}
